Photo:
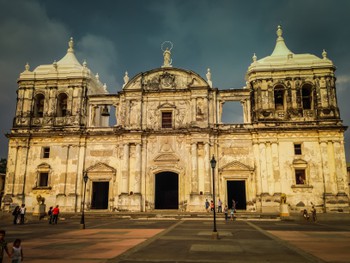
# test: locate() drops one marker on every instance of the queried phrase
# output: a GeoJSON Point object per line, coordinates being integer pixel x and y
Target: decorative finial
{"type": "Point", "coordinates": [324, 54]}
{"type": "Point", "coordinates": [97, 76]}
{"type": "Point", "coordinates": [254, 58]}
{"type": "Point", "coordinates": [54, 64]}
{"type": "Point", "coordinates": [126, 78]}
{"type": "Point", "coordinates": [105, 87]}
{"type": "Point", "coordinates": [70, 44]}
{"type": "Point", "coordinates": [167, 46]}
{"type": "Point", "coordinates": [27, 67]}
{"type": "Point", "coordinates": [84, 64]}
{"type": "Point", "coordinates": [279, 31]}
{"type": "Point", "coordinates": [208, 75]}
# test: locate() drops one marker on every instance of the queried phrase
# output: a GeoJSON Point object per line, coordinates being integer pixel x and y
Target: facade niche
{"type": "Point", "coordinates": [39, 102]}
{"type": "Point", "coordinates": [279, 94]}
{"type": "Point", "coordinates": [62, 105]}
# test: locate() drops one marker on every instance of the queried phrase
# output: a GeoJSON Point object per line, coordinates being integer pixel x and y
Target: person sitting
{"type": "Point", "coordinates": [306, 215]}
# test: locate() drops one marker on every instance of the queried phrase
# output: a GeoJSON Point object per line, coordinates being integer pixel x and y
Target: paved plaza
{"type": "Point", "coordinates": [190, 240]}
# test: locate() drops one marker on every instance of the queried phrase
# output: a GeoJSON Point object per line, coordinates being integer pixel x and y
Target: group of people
{"type": "Point", "coordinates": [306, 215]}
{"type": "Point", "coordinates": [53, 214]}
{"type": "Point", "coordinates": [15, 253]}
{"type": "Point", "coordinates": [18, 214]}
{"type": "Point", "coordinates": [210, 207]}
{"type": "Point", "coordinates": [20, 211]}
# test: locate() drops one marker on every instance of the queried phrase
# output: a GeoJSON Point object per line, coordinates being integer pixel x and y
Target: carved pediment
{"type": "Point", "coordinates": [167, 157]}
{"type": "Point", "coordinates": [100, 168]}
{"type": "Point", "coordinates": [299, 163]}
{"type": "Point", "coordinates": [236, 166]}
{"type": "Point", "coordinates": [166, 105]}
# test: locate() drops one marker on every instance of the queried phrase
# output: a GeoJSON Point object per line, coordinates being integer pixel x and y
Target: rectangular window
{"type": "Point", "coordinates": [43, 179]}
{"type": "Point", "coordinates": [46, 152]}
{"type": "Point", "coordinates": [167, 119]}
{"type": "Point", "coordinates": [300, 176]}
{"type": "Point", "coordinates": [297, 149]}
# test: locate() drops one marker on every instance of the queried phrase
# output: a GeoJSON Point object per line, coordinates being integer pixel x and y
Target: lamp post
{"type": "Point", "coordinates": [82, 220]}
{"type": "Point", "coordinates": [215, 234]}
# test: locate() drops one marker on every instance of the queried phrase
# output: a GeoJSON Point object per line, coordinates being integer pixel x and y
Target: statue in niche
{"type": "Point", "coordinates": [180, 116]}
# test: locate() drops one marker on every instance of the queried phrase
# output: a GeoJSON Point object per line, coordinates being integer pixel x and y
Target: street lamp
{"type": "Point", "coordinates": [82, 220]}
{"type": "Point", "coordinates": [215, 234]}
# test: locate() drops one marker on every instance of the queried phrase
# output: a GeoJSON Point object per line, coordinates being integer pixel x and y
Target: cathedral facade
{"type": "Point", "coordinates": [166, 127]}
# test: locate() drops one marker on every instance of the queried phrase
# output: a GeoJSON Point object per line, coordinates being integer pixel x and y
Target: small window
{"type": "Point", "coordinates": [167, 119]}
{"type": "Point", "coordinates": [297, 149]}
{"type": "Point", "coordinates": [46, 152]}
{"type": "Point", "coordinates": [43, 179]}
{"type": "Point", "coordinates": [300, 176]}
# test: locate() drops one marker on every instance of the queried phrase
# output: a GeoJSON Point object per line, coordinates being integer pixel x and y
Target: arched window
{"type": "Point", "coordinates": [306, 94]}
{"type": "Point", "coordinates": [62, 105]}
{"type": "Point", "coordinates": [279, 97]}
{"type": "Point", "coordinates": [39, 102]}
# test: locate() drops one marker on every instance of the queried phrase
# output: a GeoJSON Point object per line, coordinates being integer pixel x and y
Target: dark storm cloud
{"type": "Point", "coordinates": [119, 36]}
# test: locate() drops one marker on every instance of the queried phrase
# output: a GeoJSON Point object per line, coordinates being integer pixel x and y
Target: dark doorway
{"type": "Point", "coordinates": [167, 191]}
{"type": "Point", "coordinates": [99, 195]}
{"type": "Point", "coordinates": [236, 191]}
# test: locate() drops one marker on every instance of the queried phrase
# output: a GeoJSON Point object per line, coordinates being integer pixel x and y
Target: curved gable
{"type": "Point", "coordinates": [165, 79]}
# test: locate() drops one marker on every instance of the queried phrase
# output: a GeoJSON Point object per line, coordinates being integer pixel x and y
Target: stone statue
{"type": "Point", "coordinates": [40, 199]}
{"type": "Point", "coordinates": [167, 58]}
{"type": "Point", "coordinates": [283, 198]}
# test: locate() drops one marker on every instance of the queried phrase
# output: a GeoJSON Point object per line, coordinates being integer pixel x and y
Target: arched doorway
{"type": "Point", "coordinates": [166, 190]}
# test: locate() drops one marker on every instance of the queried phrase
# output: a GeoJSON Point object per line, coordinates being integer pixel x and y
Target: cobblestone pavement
{"type": "Point", "coordinates": [127, 240]}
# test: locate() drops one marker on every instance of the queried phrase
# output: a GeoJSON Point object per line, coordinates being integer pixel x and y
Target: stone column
{"type": "Point", "coordinates": [340, 170]}
{"type": "Point", "coordinates": [332, 164]}
{"type": "Point", "coordinates": [138, 163]}
{"type": "Point", "coordinates": [125, 172]}
{"type": "Point", "coordinates": [207, 181]}
{"type": "Point", "coordinates": [276, 168]}
{"type": "Point", "coordinates": [325, 167]}
{"type": "Point", "coordinates": [257, 170]}
{"type": "Point", "coordinates": [263, 168]}
{"type": "Point", "coordinates": [269, 169]}
{"type": "Point", "coordinates": [194, 176]}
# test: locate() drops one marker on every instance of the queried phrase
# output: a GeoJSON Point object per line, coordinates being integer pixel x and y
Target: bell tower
{"type": "Point", "coordinates": [292, 87]}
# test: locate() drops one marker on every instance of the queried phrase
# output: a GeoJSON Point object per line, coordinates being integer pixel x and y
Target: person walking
{"type": "Point", "coordinates": [226, 213]}
{"type": "Point", "coordinates": [212, 206]}
{"type": "Point", "coordinates": [16, 212]}
{"type": "Point", "coordinates": [219, 206]}
{"type": "Point", "coordinates": [313, 213]}
{"type": "Point", "coordinates": [17, 252]}
{"type": "Point", "coordinates": [22, 212]}
{"type": "Point", "coordinates": [3, 246]}
{"type": "Point", "coordinates": [232, 213]}
{"type": "Point", "coordinates": [49, 213]}
{"type": "Point", "coordinates": [207, 205]}
{"type": "Point", "coordinates": [55, 213]}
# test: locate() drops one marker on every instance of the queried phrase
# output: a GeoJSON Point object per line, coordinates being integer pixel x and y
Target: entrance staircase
{"type": "Point", "coordinates": [173, 215]}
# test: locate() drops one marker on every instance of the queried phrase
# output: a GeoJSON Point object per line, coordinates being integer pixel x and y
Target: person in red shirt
{"type": "Point", "coordinates": [55, 213]}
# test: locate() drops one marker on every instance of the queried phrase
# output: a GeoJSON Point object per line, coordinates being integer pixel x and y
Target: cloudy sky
{"type": "Point", "coordinates": [118, 36]}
